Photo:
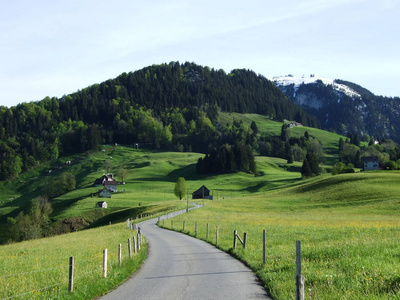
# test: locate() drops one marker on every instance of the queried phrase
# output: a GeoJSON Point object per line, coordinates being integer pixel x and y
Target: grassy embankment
{"type": "Point", "coordinates": [39, 269]}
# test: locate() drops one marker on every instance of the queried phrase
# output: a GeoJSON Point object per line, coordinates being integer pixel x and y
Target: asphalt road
{"type": "Point", "coordinates": [182, 267]}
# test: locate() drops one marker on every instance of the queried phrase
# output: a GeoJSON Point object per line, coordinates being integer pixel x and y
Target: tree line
{"type": "Point", "coordinates": [229, 159]}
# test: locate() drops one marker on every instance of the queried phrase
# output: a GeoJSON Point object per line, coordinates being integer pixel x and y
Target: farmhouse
{"type": "Point", "coordinates": [202, 193]}
{"type": "Point", "coordinates": [108, 182]}
{"type": "Point", "coordinates": [100, 181]}
{"type": "Point", "coordinates": [370, 163]}
{"type": "Point", "coordinates": [111, 185]}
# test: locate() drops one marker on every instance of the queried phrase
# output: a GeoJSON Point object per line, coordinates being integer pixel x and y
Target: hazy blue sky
{"type": "Point", "coordinates": [52, 47]}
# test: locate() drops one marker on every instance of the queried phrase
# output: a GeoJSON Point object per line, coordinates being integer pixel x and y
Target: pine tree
{"type": "Point", "coordinates": [305, 169]}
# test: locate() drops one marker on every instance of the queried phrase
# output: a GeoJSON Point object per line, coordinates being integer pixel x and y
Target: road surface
{"type": "Point", "coordinates": [182, 267]}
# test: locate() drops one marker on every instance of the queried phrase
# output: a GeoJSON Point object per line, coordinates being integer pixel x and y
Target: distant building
{"type": "Point", "coordinates": [294, 124]}
{"type": "Point", "coordinates": [102, 204]}
{"type": "Point", "coordinates": [108, 182]}
{"type": "Point", "coordinates": [111, 185]}
{"type": "Point", "coordinates": [105, 193]}
{"type": "Point", "coordinates": [370, 163]}
{"type": "Point", "coordinates": [105, 178]}
{"type": "Point", "coordinates": [202, 193]}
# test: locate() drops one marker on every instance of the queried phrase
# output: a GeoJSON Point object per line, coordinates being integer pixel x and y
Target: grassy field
{"type": "Point", "coordinates": [39, 269]}
{"type": "Point", "coordinates": [348, 226]}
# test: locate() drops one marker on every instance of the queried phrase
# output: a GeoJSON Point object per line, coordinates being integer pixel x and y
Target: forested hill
{"type": "Point", "coordinates": [160, 87]}
{"type": "Point", "coordinates": [158, 106]}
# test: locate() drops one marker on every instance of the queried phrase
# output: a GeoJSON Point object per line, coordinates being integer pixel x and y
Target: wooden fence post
{"type": "Point", "coordinates": [130, 248]}
{"type": "Point", "coordinates": [195, 229]}
{"type": "Point", "coordinates": [71, 274]}
{"type": "Point", "coordinates": [234, 239]}
{"type": "Point", "coordinates": [119, 254]}
{"type": "Point", "coordinates": [300, 280]}
{"type": "Point", "coordinates": [264, 247]}
{"type": "Point", "coordinates": [134, 245]}
{"type": "Point", "coordinates": [105, 263]}
{"type": "Point", "coordinates": [244, 240]}
{"type": "Point", "coordinates": [138, 241]}
{"type": "Point", "coordinates": [207, 230]}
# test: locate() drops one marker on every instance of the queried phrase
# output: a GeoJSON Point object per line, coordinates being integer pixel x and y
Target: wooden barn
{"type": "Point", "coordinates": [202, 193]}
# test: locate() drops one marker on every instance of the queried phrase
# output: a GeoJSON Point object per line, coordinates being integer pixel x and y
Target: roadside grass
{"type": "Point", "coordinates": [348, 226]}
{"type": "Point", "coordinates": [39, 269]}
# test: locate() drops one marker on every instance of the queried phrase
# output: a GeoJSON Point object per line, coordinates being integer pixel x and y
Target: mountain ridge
{"type": "Point", "coordinates": [343, 106]}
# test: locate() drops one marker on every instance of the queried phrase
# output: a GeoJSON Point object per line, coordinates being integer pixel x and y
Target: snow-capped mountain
{"type": "Point", "coordinates": [297, 81]}
{"type": "Point", "coordinates": [343, 106]}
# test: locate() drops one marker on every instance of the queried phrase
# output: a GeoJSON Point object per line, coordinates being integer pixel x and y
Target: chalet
{"type": "Point", "coordinates": [370, 163]}
{"type": "Point", "coordinates": [105, 193]}
{"type": "Point", "coordinates": [102, 204]}
{"type": "Point", "coordinates": [202, 193]}
{"type": "Point", "coordinates": [105, 178]}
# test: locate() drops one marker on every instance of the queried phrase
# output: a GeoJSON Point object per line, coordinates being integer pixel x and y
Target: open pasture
{"type": "Point", "coordinates": [348, 226]}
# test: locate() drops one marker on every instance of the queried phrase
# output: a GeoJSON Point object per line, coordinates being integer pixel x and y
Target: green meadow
{"type": "Point", "coordinates": [348, 224]}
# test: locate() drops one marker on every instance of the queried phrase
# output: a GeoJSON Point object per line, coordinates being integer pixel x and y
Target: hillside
{"type": "Point", "coordinates": [157, 107]}
{"type": "Point", "coordinates": [344, 221]}
{"type": "Point", "coordinates": [343, 106]}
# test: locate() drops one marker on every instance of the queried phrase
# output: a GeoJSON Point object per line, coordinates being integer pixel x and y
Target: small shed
{"type": "Point", "coordinates": [105, 193]}
{"type": "Point", "coordinates": [202, 193]}
{"type": "Point", "coordinates": [102, 204]}
{"type": "Point", "coordinates": [370, 163]}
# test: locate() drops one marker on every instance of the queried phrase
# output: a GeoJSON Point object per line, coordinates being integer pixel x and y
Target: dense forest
{"type": "Point", "coordinates": [171, 106]}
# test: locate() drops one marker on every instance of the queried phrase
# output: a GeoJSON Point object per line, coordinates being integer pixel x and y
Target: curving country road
{"type": "Point", "coordinates": [182, 267]}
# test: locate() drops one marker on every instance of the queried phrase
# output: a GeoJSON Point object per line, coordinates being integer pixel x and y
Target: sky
{"type": "Point", "coordinates": [54, 48]}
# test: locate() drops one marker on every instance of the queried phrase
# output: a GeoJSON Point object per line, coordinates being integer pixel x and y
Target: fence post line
{"type": "Point", "coordinates": [105, 263]}
{"type": "Point", "coordinates": [299, 278]}
{"type": "Point", "coordinates": [119, 254]}
{"type": "Point", "coordinates": [244, 240]}
{"type": "Point", "coordinates": [138, 241]}
{"type": "Point", "coordinates": [264, 247]}
{"type": "Point", "coordinates": [234, 239]}
{"type": "Point", "coordinates": [207, 230]}
{"type": "Point", "coordinates": [71, 274]}
{"type": "Point", "coordinates": [195, 229]}
{"type": "Point", "coordinates": [130, 248]}
{"type": "Point", "coordinates": [216, 236]}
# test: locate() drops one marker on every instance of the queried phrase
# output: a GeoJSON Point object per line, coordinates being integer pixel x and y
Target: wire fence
{"type": "Point", "coordinates": [349, 260]}
{"type": "Point", "coordinates": [33, 284]}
